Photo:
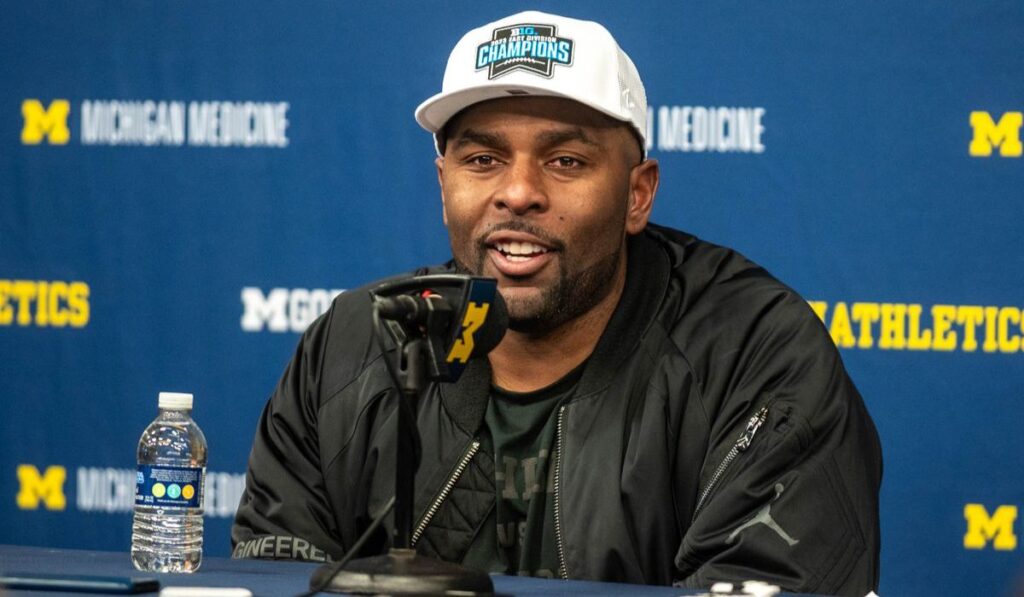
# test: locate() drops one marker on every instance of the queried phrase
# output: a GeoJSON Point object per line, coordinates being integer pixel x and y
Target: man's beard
{"type": "Point", "coordinates": [573, 294]}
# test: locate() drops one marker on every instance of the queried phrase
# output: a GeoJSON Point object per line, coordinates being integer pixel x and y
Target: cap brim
{"type": "Point", "coordinates": [436, 111]}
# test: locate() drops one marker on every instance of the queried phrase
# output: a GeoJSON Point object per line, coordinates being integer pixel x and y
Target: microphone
{"type": "Point", "coordinates": [461, 317]}
{"type": "Point", "coordinates": [410, 308]}
{"type": "Point", "coordinates": [438, 323]}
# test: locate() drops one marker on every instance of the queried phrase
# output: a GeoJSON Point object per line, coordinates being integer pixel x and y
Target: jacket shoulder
{"type": "Point", "coordinates": [732, 319]}
{"type": "Point", "coordinates": [707, 267]}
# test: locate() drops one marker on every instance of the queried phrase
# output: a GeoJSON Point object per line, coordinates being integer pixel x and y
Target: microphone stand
{"type": "Point", "coordinates": [402, 570]}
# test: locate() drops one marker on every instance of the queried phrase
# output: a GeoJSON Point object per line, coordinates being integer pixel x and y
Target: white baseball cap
{"type": "Point", "coordinates": [536, 53]}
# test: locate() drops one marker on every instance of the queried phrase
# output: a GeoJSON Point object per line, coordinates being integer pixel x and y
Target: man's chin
{"type": "Point", "coordinates": [520, 298]}
{"type": "Point", "coordinates": [523, 303]}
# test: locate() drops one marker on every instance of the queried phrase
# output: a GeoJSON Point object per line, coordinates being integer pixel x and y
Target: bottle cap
{"type": "Point", "coordinates": [175, 401]}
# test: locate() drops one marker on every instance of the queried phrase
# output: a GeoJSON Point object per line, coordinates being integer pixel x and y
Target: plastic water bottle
{"type": "Point", "coordinates": [167, 530]}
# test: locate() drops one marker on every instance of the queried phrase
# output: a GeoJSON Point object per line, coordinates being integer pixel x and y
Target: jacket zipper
{"type": "Point", "coordinates": [445, 490]}
{"type": "Point", "coordinates": [741, 445]}
{"type": "Point", "coordinates": [562, 571]}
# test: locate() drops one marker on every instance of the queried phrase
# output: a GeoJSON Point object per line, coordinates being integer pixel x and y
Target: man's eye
{"type": "Point", "coordinates": [566, 162]}
{"type": "Point", "coordinates": [482, 160]}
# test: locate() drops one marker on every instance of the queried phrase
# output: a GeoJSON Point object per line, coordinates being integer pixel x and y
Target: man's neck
{"type": "Point", "coordinates": [527, 362]}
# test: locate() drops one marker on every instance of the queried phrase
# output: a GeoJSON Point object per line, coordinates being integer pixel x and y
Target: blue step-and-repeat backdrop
{"type": "Point", "coordinates": [185, 185]}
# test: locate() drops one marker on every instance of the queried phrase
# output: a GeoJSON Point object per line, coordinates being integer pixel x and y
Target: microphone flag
{"type": "Point", "coordinates": [461, 317]}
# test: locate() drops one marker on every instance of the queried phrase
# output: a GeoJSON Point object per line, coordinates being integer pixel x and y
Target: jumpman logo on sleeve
{"type": "Point", "coordinates": [764, 516]}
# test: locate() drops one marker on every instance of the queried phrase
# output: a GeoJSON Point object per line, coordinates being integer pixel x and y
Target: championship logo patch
{"type": "Point", "coordinates": [533, 48]}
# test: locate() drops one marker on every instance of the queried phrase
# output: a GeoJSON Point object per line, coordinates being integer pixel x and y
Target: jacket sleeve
{"type": "Point", "coordinates": [284, 512]}
{"type": "Point", "coordinates": [793, 468]}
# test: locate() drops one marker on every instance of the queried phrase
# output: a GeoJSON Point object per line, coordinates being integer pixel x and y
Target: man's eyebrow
{"type": "Point", "coordinates": [547, 138]}
{"type": "Point", "coordinates": [557, 137]}
{"type": "Point", "coordinates": [469, 136]}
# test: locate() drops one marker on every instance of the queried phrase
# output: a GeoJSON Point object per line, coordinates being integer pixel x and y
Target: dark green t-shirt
{"type": "Point", "coordinates": [520, 428]}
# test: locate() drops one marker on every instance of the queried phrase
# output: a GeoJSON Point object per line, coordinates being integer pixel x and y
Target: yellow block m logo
{"type": "Point", "coordinates": [51, 122]}
{"type": "Point", "coordinates": [475, 317]}
{"type": "Point", "coordinates": [47, 488]}
{"type": "Point", "coordinates": [987, 133]}
{"type": "Point", "coordinates": [981, 528]}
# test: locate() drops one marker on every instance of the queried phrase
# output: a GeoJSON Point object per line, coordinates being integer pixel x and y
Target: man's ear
{"type": "Point", "coordinates": [439, 164]}
{"type": "Point", "coordinates": [643, 185]}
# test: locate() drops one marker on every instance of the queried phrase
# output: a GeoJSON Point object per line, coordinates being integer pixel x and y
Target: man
{"type": "Point", "coordinates": [660, 411]}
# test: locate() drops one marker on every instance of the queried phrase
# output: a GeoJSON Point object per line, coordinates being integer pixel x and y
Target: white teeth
{"type": "Point", "coordinates": [520, 249]}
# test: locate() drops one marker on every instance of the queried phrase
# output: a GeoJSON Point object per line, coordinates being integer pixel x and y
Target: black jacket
{"type": "Point", "coordinates": [714, 435]}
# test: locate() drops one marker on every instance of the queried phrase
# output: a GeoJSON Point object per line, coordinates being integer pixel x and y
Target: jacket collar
{"type": "Point", "coordinates": [647, 275]}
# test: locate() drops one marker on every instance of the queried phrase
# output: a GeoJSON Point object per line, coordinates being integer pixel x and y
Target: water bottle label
{"type": "Point", "coordinates": [180, 487]}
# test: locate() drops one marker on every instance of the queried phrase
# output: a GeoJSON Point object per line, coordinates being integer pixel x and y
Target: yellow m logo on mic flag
{"type": "Point", "coordinates": [475, 317]}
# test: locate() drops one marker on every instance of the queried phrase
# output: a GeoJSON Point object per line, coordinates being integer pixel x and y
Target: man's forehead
{"type": "Point", "coordinates": [551, 115]}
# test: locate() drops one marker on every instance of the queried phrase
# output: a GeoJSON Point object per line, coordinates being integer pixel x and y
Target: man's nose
{"type": "Point", "coordinates": [522, 188]}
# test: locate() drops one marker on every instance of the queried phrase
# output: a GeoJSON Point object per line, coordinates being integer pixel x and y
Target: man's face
{"type": "Point", "coordinates": [537, 193]}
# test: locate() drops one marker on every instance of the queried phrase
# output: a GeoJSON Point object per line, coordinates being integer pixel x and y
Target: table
{"type": "Point", "coordinates": [265, 578]}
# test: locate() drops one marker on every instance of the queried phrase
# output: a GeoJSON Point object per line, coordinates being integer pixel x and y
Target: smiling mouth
{"type": "Point", "coordinates": [519, 260]}
{"type": "Point", "coordinates": [518, 252]}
